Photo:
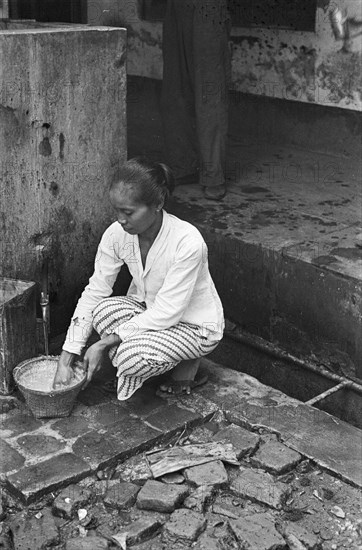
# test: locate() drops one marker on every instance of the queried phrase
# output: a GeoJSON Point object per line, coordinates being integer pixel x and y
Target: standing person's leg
{"type": "Point", "coordinates": [155, 352]}
{"type": "Point", "coordinates": [212, 75]}
{"type": "Point", "coordinates": [177, 102]}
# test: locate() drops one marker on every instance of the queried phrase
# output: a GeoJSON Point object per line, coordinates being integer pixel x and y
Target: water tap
{"type": "Point", "coordinates": [44, 303]}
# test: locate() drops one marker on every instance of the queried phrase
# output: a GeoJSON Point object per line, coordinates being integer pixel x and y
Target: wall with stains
{"type": "Point", "coordinates": [62, 134]}
{"type": "Point", "coordinates": [297, 66]}
{"type": "Point", "coordinates": [301, 66]}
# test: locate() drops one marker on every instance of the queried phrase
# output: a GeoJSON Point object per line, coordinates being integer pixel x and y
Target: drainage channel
{"type": "Point", "coordinates": [313, 384]}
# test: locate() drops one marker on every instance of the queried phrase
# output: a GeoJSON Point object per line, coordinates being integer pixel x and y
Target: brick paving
{"type": "Point", "coordinates": [84, 482]}
{"type": "Point", "coordinates": [275, 457]}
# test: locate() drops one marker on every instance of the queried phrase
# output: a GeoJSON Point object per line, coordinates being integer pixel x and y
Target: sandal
{"type": "Point", "coordinates": [178, 387]}
{"type": "Point", "coordinates": [110, 386]}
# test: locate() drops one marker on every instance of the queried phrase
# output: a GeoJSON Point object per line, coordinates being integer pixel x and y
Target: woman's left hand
{"type": "Point", "coordinates": [92, 361]}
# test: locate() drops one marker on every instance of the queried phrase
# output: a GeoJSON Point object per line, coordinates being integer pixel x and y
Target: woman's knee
{"type": "Point", "coordinates": [99, 311]}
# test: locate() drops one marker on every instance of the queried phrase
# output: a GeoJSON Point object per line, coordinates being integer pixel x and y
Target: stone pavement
{"type": "Point", "coordinates": [85, 482]}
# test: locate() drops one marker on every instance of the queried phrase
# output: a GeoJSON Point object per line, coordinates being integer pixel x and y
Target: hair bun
{"type": "Point", "coordinates": [168, 177]}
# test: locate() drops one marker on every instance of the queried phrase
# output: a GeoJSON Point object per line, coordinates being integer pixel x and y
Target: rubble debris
{"type": "Point", "coordinates": [160, 497]}
{"type": "Point", "coordinates": [179, 458]}
{"type": "Point", "coordinates": [184, 525]}
{"type": "Point", "coordinates": [200, 498]}
{"type": "Point", "coordinates": [212, 473]}
{"type": "Point", "coordinates": [136, 532]}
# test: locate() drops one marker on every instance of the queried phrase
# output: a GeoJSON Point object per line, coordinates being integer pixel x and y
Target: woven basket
{"type": "Point", "coordinates": [46, 403]}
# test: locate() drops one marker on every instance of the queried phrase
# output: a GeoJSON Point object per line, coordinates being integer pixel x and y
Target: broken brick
{"type": "Point", "coordinates": [161, 497]}
{"type": "Point", "coordinates": [211, 473]}
{"type": "Point", "coordinates": [275, 457]}
{"type": "Point", "coordinates": [184, 525]}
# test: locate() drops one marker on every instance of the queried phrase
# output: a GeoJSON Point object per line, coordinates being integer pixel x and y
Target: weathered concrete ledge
{"type": "Point", "coordinates": [288, 273]}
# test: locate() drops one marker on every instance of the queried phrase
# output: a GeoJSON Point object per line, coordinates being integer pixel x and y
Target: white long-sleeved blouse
{"type": "Point", "coordinates": [175, 284]}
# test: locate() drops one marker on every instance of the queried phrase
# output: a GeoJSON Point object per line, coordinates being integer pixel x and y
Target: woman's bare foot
{"type": "Point", "coordinates": [183, 377]}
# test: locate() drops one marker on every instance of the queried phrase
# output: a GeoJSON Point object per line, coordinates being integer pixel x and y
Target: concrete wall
{"type": "Point", "coordinates": [297, 66]}
{"type": "Point", "coordinates": [62, 134]}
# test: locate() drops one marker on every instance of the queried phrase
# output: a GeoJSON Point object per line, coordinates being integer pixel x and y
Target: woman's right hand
{"type": "Point", "coordinates": [65, 372]}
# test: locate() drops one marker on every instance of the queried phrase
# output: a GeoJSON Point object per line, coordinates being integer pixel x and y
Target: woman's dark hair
{"type": "Point", "coordinates": [153, 182]}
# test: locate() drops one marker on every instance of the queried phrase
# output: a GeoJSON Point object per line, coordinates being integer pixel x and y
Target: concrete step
{"type": "Point", "coordinates": [286, 273]}
{"type": "Point", "coordinates": [40, 456]}
{"type": "Point", "coordinates": [328, 441]}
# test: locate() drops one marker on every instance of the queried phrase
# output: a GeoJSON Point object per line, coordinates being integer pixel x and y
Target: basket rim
{"type": "Point", "coordinates": [26, 362]}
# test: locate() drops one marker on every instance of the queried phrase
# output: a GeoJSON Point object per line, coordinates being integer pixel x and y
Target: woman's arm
{"type": "Point", "coordinates": [106, 268]}
{"type": "Point", "coordinates": [93, 356]}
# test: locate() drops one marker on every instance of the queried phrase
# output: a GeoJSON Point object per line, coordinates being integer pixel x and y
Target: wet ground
{"type": "Point", "coordinates": [87, 481]}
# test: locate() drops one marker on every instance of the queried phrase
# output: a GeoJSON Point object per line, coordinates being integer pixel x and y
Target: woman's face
{"type": "Point", "coordinates": [135, 217]}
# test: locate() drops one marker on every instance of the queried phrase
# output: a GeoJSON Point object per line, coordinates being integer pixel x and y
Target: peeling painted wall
{"type": "Point", "coordinates": [62, 135]}
{"type": "Point", "coordinates": [301, 66]}
{"type": "Point", "coordinates": [297, 66]}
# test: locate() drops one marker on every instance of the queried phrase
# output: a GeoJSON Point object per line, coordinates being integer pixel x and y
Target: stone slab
{"type": "Point", "coordinates": [40, 444]}
{"type": "Point", "coordinates": [95, 448]}
{"type": "Point", "coordinates": [207, 542]}
{"type": "Point", "coordinates": [260, 487]}
{"type": "Point", "coordinates": [184, 525]}
{"type": "Point", "coordinates": [275, 457]}
{"type": "Point", "coordinates": [31, 482]}
{"type": "Point", "coordinates": [109, 414]}
{"type": "Point", "coordinates": [137, 531]}
{"type": "Point", "coordinates": [87, 543]}
{"type": "Point", "coordinates": [172, 418]}
{"type": "Point", "coordinates": [10, 459]}
{"type": "Point", "coordinates": [305, 536]}
{"type": "Point", "coordinates": [121, 495]}
{"type": "Point", "coordinates": [72, 426]}
{"type": "Point", "coordinates": [7, 403]}
{"type": "Point", "coordinates": [330, 442]}
{"type": "Point", "coordinates": [257, 531]}
{"type": "Point", "coordinates": [212, 473]}
{"type": "Point", "coordinates": [17, 422]}
{"type": "Point", "coordinates": [30, 532]}
{"type": "Point", "coordinates": [243, 441]}
{"type": "Point", "coordinates": [161, 497]}
{"type": "Point", "coordinates": [153, 544]}
{"type": "Point", "coordinates": [199, 498]}
{"type": "Point", "coordinates": [144, 402]}
{"type": "Point", "coordinates": [116, 441]}
{"type": "Point", "coordinates": [201, 434]}
{"type": "Point", "coordinates": [225, 509]}
{"type": "Point", "coordinates": [134, 469]}
{"type": "Point", "coordinates": [69, 500]}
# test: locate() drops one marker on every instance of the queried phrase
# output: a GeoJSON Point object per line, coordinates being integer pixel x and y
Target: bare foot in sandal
{"type": "Point", "coordinates": [183, 378]}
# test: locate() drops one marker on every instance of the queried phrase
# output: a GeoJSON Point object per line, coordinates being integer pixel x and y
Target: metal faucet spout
{"type": "Point", "coordinates": [44, 303]}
